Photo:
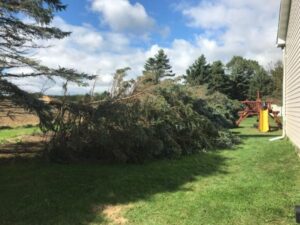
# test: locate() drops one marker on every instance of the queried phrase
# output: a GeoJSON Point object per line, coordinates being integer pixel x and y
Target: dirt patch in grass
{"type": "Point", "coordinates": [112, 212]}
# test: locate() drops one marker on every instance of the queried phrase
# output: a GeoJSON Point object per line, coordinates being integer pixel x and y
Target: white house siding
{"type": "Point", "coordinates": [292, 75]}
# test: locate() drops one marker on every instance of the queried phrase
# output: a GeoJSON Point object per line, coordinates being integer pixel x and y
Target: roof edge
{"type": "Point", "coordinates": [284, 16]}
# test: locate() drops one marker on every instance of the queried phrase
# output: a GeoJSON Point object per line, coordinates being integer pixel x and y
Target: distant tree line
{"type": "Point", "coordinates": [239, 79]}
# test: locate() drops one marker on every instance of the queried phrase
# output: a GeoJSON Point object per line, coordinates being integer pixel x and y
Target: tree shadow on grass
{"type": "Point", "coordinates": [37, 193]}
{"type": "Point", "coordinates": [246, 136]}
{"type": "Point", "coordinates": [254, 133]}
{"type": "Point", "coordinates": [21, 147]}
{"type": "Point", "coordinates": [251, 132]}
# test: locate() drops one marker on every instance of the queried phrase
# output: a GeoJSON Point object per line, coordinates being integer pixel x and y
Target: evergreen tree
{"type": "Point", "coordinates": [248, 77]}
{"type": "Point", "coordinates": [199, 72]}
{"type": "Point", "coordinates": [219, 81]}
{"type": "Point", "coordinates": [241, 72]}
{"type": "Point", "coordinates": [159, 66]}
{"type": "Point", "coordinates": [261, 82]}
{"type": "Point", "coordinates": [19, 37]}
{"type": "Point", "coordinates": [277, 76]}
{"type": "Point", "coordinates": [239, 77]}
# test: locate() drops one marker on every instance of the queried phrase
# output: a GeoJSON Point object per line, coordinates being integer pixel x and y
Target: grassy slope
{"type": "Point", "coordinates": [15, 132]}
{"type": "Point", "coordinates": [256, 183]}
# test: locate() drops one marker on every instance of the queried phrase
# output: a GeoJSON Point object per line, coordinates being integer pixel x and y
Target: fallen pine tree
{"type": "Point", "coordinates": [143, 121]}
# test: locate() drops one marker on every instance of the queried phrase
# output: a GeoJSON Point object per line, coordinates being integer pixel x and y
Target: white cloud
{"type": "Point", "coordinates": [86, 50]}
{"type": "Point", "coordinates": [121, 15]}
{"type": "Point", "coordinates": [236, 27]}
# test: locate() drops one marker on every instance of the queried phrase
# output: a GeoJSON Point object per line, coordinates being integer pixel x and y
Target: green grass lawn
{"type": "Point", "coordinates": [16, 132]}
{"type": "Point", "coordinates": [258, 182]}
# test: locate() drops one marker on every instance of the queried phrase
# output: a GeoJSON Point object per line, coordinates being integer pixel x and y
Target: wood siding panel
{"type": "Point", "coordinates": [292, 68]}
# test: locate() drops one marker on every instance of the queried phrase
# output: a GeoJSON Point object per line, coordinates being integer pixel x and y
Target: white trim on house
{"type": "Point", "coordinates": [284, 16]}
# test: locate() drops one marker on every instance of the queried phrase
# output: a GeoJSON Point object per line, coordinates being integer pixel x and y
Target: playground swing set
{"type": "Point", "coordinates": [263, 110]}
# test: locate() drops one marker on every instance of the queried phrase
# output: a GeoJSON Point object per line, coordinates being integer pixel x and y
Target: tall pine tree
{"type": "Point", "coordinates": [159, 66]}
{"type": "Point", "coordinates": [199, 72]}
{"type": "Point", "coordinates": [241, 72]}
{"type": "Point", "coordinates": [219, 81]}
{"type": "Point", "coordinates": [18, 37]}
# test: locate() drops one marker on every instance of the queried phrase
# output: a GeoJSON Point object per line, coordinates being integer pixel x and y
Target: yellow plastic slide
{"type": "Point", "coordinates": [264, 120]}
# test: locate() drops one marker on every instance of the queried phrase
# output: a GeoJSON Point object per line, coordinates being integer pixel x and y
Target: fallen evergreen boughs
{"type": "Point", "coordinates": [166, 121]}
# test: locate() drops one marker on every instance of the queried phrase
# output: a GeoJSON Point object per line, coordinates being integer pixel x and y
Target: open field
{"type": "Point", "coordinates": [15, 116]}
{"type": "Point", "coordinates": [8, 134]}
{"type": "Point", "coordinates": [258, 182]}
{"type": "Point", "coordinates": [20, 142]}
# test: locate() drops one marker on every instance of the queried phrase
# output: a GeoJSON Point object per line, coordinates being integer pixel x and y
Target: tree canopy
{"type": "Point", "coordinates": [240, 78]}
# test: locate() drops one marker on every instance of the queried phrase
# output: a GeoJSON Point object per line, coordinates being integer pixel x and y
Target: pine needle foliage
{"type": "Point", "coordinates": [199, 72]}
{"type": "Point", "coordinates": [159, 66]}
{"type": "Point", "coordinates": [22, 24]}
{"type": "Point", "coordinates": [166, 120]}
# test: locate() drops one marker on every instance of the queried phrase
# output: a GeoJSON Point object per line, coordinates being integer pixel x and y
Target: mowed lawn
{"type": "Point", "coordinates": [258, 182]}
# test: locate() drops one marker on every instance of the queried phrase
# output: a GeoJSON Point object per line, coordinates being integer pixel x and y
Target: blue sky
{"type": "Point", "coordinates": [111, 34]}
{"type": "Point", "coordinates": [170, 24]}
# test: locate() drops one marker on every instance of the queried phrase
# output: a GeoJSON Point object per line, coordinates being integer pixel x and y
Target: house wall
{"type": "Point", "coordinates": [292, 75]}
